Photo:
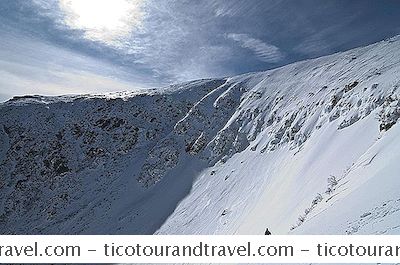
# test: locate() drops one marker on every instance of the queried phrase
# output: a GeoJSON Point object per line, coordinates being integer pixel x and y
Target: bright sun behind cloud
{"type": "Point", "coordinates": [102, 20]}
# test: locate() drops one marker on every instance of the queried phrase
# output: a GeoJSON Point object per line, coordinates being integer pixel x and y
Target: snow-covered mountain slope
{"type": "Point", "coordinates": [307, 148]}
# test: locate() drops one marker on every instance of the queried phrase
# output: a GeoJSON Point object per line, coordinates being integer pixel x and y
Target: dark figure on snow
{"type": "Point", "coordinates": [267, 232]}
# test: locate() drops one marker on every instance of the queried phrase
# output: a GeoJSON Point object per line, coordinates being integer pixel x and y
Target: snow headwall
{"type": "Point", "coordinates": [310, 147]}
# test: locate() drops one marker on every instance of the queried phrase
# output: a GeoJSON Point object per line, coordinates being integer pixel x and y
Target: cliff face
{"type": "Point", "coordinates": [283, 148]}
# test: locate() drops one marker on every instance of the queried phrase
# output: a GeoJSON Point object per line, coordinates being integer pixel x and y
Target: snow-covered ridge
{"type": "Point", "coordinates": [229, 155]}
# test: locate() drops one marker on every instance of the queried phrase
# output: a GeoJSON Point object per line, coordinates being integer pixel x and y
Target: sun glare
{"type": "Point", "coordinates": [102, 20]}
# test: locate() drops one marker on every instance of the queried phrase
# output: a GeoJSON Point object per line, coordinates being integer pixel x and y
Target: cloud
{"type": "Point", "coordinates": [170, 41]}
{"type": "Point", "coordinates": [235, 8]}
{"type": "Point", "coordinates": [179, 42]}
{"type": "Point", "coordinates": [107, 21]}
{"type": "Point", "coordinates": [57, 83]}
{"type": "Point", "coordinates": [28, 66]}
{"type": "Point", "coordinates": [264, 51]}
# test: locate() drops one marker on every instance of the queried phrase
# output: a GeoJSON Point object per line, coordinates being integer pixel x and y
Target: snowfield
{"type": "Point", "coordinates": [308, 148]}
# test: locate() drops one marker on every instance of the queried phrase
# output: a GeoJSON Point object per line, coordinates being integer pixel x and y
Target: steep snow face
{"type": "Point", "coordinates": [296, 128]}
{"type": "Point", "coordinates": [306, 148]}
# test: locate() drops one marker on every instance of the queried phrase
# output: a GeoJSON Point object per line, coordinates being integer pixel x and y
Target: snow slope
{"type": "Point", "coordinates": [307, 148]}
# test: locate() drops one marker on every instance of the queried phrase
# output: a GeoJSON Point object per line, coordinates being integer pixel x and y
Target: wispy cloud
{"type": "Point", "coordinates": [180, 42]}
{"type": "Point", "coordinates": [28, 66]}
{"type": "Point", "coordinates": [235, 8]}
{"type": "Point", "coordinates": [172, 41]}
{"type": "Point", "coordinates": [264, 51]}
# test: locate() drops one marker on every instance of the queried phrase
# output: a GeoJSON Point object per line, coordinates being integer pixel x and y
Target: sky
{"type": "Point", "coordinates": [54, 47]}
